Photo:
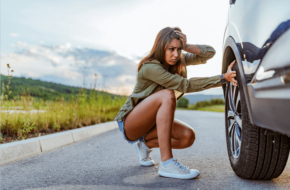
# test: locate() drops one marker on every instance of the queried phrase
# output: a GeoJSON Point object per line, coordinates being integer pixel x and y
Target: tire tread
{"type": "Point", "coordinates": [262, 156]}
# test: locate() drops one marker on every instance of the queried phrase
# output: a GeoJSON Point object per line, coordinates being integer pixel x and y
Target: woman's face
{"type": "Point", "coordinates": [172, 52]}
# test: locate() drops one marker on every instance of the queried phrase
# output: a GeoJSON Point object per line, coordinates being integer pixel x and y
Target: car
{"type": "Point", "coordinates": [257, 111]}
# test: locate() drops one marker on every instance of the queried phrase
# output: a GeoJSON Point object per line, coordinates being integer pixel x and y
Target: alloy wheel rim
{"type": "Point", "coordinates": [234, 120]}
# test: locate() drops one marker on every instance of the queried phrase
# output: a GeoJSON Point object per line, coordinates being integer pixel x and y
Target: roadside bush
{"type": "Point", "coordinates": [26, 114]}
{"type": "Point", "coordinates": [205, 103]}
{"type": "Point", "coordinates": [53, 116]}
{"type": "Point", "coordinates": [182, 102]}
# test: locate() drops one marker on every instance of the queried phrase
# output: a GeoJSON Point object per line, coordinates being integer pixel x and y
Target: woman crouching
{"type": "Point", "coordinates": [147, 117]}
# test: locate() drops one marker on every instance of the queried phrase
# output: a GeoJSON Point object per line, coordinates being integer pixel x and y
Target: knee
{"type": "Point", "coordinates": [189, 137]}
{"type": "Point", "coordinates": [168, 96]}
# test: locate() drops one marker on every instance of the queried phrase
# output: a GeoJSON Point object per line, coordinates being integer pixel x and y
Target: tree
{"type": "Point", "coordinates": [183, 102]}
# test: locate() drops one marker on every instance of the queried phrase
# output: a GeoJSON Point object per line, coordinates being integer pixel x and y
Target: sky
{"type": "Point", "coordinates": [65, 41]}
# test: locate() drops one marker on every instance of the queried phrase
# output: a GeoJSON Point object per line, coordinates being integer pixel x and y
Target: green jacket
{"type": "Point", "coordinates": [153, 77]}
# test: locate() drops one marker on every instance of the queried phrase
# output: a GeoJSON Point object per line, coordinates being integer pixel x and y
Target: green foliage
{"type": "Point", "coordinates": [206, 103]}
{"type": "Point", "coordinates": [56, 127]}
{"type": "Point", "coordinates": [52, 116]}
{"type": "Point", "coordinates": [9, 77]}
{"type": "Point", "coordinates": [214, 108]}
{"type": "Point", "coordinates": [26, 127]}
{"type": "Point", "coordinates": [50, 107]}
{"type": "Point", "coordinates": [182, 102]}
{"type": "Point", "coordinates": [41, 90]}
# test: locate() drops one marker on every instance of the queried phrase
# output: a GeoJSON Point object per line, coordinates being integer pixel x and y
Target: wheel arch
{"type": "Point", "coordinates": [231, 53]}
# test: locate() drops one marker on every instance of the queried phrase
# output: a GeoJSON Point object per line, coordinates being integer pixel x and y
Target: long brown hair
{"type": "Point", "coordinates": [163, 38]}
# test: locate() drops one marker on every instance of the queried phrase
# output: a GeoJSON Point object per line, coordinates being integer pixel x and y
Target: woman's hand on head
{"type": "Point", "coordinates": [182, 38]}
{"type": "Point", "coordinates": [230, 75]}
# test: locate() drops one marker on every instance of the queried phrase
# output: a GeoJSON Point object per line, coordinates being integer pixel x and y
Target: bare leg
{"type": "Point", "coordinates": [158, 108]}
{"type": "Point", "coordinates": [183, 136]}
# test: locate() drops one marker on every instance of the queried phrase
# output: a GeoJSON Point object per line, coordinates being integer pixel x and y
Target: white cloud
{"type": "Point", "coordinates": [65, 64]}
{"type": "Point", "coordinates": [13, 34]}
{"type": "Point", "coordinates": [123, 90]}
{"type": "Point", "coordinates": [126, 79]}
{"type": "Point", "coordinates": [28, 74]}
{"type": "Point", "coordinates": [111, 36]}
{"type": "Point", "coordinates": [73, 75]}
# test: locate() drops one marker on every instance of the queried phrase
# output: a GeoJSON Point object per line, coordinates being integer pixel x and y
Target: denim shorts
{"type": "Point", "coordinates": [121, 127]}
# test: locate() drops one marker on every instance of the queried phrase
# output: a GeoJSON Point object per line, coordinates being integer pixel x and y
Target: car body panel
{"type": "Point", "coordinates": [269, 92]}
{"type": "Point", "coordinates": [233, 47]}
{"type": "Point", "coordinates": [255, 27]}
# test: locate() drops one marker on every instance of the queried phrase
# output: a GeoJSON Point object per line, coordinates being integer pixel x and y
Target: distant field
{"type": "Point", "coordinates": [37, 116]}
{"type": "Point", "coordinates": [42, 90]}
{"type": "Point", "coordinates": [193, 98]}
{"type": "Point", "coordinates": [33, 108]}
{"type": "Point", "coordinates": [215, 105]}
{"type": "Point", "coordinates": [214, 108]}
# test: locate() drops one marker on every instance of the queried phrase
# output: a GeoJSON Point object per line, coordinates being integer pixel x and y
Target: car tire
{"type": "Point", "coordinates": [252, 153]}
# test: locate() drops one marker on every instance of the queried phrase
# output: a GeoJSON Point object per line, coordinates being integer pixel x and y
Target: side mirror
{"type": "Point", "coordinates": [232, 2]}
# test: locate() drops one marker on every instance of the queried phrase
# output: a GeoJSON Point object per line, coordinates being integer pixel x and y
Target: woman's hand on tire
{"type": "Point", "coordinates": [230, 75]}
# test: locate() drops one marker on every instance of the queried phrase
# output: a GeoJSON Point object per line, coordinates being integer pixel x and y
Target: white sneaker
{"type": "Point", "coordinates": [177, 170]}
{"type": "Point", "coordinates": [144, 154]}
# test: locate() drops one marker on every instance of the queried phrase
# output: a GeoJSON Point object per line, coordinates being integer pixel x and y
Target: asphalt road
{"type": "Point", "coordinates": [108, 162]}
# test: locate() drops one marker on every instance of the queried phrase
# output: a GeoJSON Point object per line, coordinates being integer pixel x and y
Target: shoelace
{"type": "Point", "coordinates": [184, 168]}
{"type": "Point", "coordinates": [147, 155]}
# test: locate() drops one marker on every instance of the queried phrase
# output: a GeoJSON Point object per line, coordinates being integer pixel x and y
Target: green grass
{"type": "Point", "coordinates": [214, 108]}
{"type": "Point", "coordinates": [179, 108]}
{"type": "Point", "coordinates": [56, 107]}
{"type": "Point", "coordinates": [215, 105]}
{"type": "Point", "coordinates": [81, 110]}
